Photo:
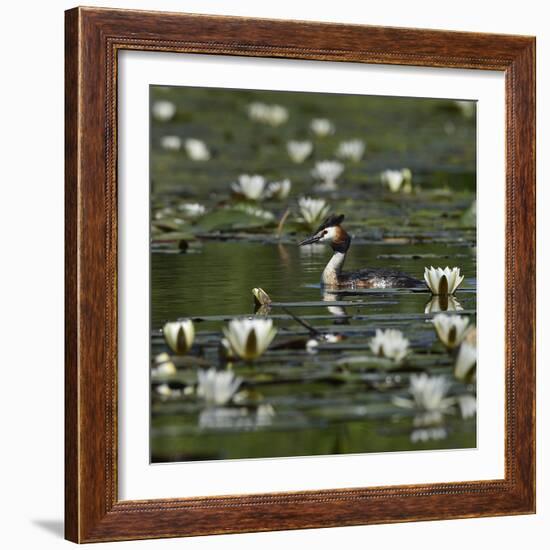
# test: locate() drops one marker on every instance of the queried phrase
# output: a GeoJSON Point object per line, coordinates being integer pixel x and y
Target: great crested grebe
{"type": "Point", "coordinates": [333, 234]}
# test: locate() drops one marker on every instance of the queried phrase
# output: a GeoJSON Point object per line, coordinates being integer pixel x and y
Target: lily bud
{"type": "Point", "coordinates": [261, 297]}
{"type": "Point", "coordinates": [179, 335]}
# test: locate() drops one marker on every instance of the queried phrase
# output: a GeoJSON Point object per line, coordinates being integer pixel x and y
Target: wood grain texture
{"type": "Point", "coordinates": [93, 38]}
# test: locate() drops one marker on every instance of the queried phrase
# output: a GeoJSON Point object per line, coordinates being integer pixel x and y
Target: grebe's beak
{"type": "Point", "coordinates": [310, 240]}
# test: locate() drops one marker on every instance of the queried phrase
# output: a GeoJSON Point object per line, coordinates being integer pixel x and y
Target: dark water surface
{"type": "Point", "coordinates": [217, 278]}
{"type": "Point", "coordinates": [322, 405]}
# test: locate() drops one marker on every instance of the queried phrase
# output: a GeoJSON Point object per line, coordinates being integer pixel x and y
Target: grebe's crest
{"type": "Point", "coordinates": [332, 233]}
{"type": "Point", "coordinates": [331, 221]}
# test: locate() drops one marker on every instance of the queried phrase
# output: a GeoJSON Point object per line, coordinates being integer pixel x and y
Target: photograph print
{"type": "Point", "coordinates": [312, 273]}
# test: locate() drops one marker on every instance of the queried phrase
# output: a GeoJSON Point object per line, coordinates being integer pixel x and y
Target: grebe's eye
{"type": "Point", "coordinates": [325, 232]}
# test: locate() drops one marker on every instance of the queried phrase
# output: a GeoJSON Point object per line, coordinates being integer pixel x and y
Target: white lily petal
{"type": "Point", "coordinates": [465, 360]}
{"type": "Point", "coordinates": [390, 344]}
{"type": "Point", "coordinates": [171, 332]}
{"type": "Point", "coordinates": [239, 331]}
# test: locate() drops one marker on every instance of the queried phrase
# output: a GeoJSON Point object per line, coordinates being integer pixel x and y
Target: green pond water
{"type": "Point", "coordinates": [340, 399]}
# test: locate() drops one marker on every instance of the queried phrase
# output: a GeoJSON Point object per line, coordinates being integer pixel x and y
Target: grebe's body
{"type": "Point", "coordinates": [333, 234]}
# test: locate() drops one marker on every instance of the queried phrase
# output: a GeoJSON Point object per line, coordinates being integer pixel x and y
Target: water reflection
{"type": "Point", "coordinates": [423, 435]}
{"type": "Point", "coordinates": [339, 312]}
{"type": "Point", "coordinates": [218, 277]}
{"type": "Point", "coordinates": [443, 302]}
{"type": "Point", "coordinates": [236, 418]}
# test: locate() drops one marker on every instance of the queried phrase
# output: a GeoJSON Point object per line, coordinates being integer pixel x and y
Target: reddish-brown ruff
{"type": "Point", "coordinates": [341, 240]}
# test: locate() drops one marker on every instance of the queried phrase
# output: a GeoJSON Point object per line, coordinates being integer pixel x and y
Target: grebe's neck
{"type": "Point", "coordinates": [340, 244]}
{"type": "Point", "coordinates": [333, 269]}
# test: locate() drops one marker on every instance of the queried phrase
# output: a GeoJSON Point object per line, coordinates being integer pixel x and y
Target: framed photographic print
{"type": "Point", "coordinates": [300, 275]}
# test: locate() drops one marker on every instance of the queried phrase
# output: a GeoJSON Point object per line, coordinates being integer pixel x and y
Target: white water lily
{"type": "Point", "coordinates": [429, 394]}
{"type": "Point", "coordinates": [298, 151]}
{"type": "Point", "coordinates": [170, 143]}
{"type": "Point", "coordinates": [163, 365]}
{"type": "Point", "coordinates": [164, 213]}
{"type": "Point", "coordinates": [179, 335]}
{"type": "Point", "coordinates": [274, 115]}
{"type": "Point", "coordinates": [249, 338]}
{"type": "Point", "coordinates": [250, 186]}
{"type": "Point", "coordinates": [217, 387]}
{"type": "Point", "coordinates": [465, 361]}
{"type": "Point", "coordinates": [192, 210]}
{"type": "Point", "coordinates": [468, 405]}
{"type": "Point", "coordinates": [442, 303]}
{"type": "Point", "coordinates": [450, 329]}
{"type": "Point", "coordinates": [322, 127]}
{"type": "Point", "coordinates": [163, 110]}
{"type": "Point", "coordinates": [443, 281]}
{"type": "Point", "coordinates": [197, 150]}
{"type": "Point", "coordinates": [277, 115]}
{"type": "Point", "coordinates": [397, 180]}
{"type": "Point", "coordinates": [470, 215]}
{"type": "Point", "coordinates": [225, 349]}
{"type": "Point", "coordinates": [390, 343]}
{"type": "Point", "coordinates": [427, 418]}
{"type": "Point", "coordinates": [328, 171]}
{"type": "Point", "coordinates": [352, 150]}
{"type": "Point", "coordinates": [279, 189]}
{"type": "Point", "coordinates": [257, 111]}
{"type": "Point", "coordinates": [313, 210]}
{"type": "Point", "coordinates": [264, 414]}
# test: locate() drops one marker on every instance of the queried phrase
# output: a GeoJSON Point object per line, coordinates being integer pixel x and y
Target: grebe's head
{"type": "Point", "coordinates": [331, 233]}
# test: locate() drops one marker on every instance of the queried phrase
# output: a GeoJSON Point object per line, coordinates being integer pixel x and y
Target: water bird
{"type": "Point", "coordinates": [332, 233]}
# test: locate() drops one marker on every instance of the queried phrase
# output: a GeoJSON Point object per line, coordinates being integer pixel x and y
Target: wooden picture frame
{"type": "Point", "coordinates": [93, 39]}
